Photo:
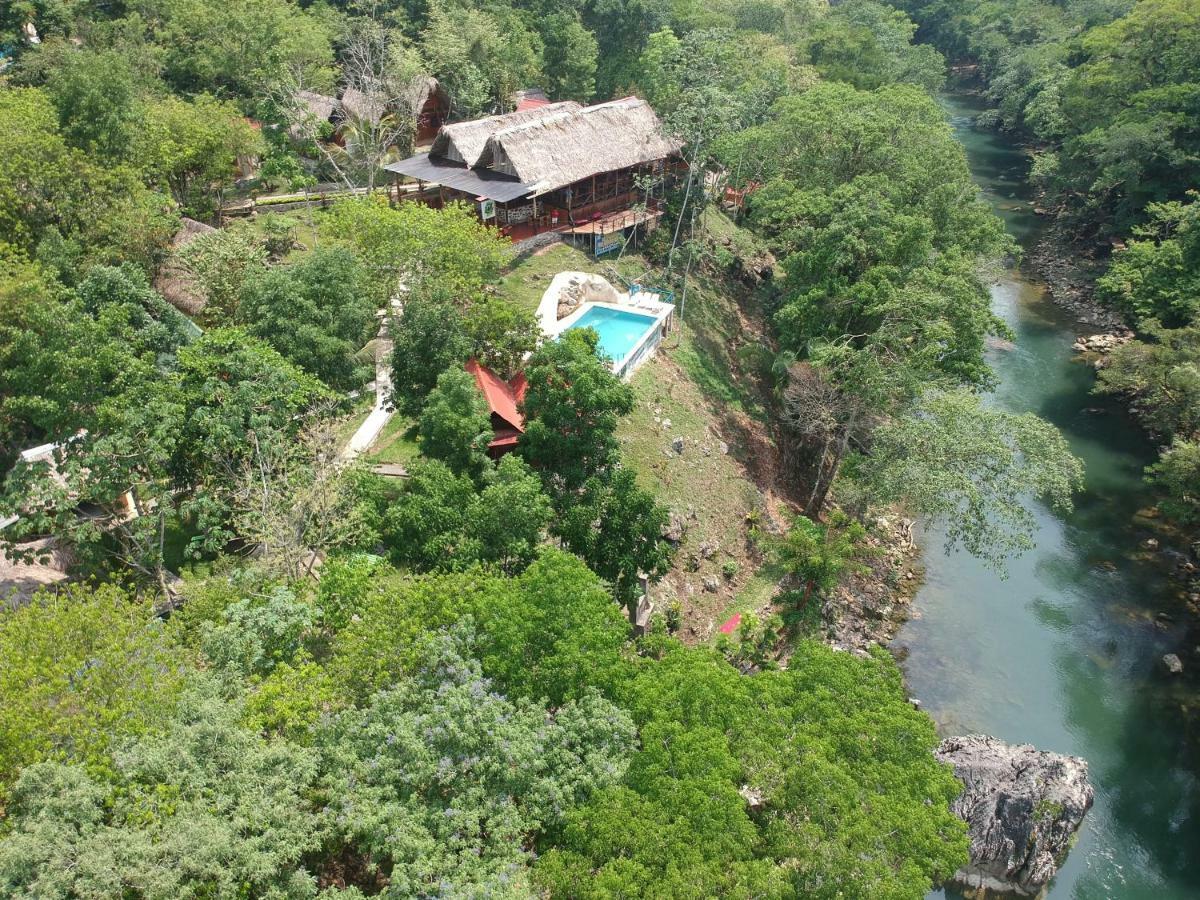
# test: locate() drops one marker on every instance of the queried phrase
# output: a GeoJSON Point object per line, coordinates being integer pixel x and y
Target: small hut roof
{"type": "Point", "coordinates": [555, 150]}
{"type": "Point", "coordinates": [503, 397]}
{"type": "Point", "coordinates": [174, 281]}
{"type": "Point", "coordinates": [464, 141]}
{"type": "Point", "coordinates": [361, 106]}
{"type": "Point", "coordinates": [429, 88]}
{"type": "Point", "coordinates": [530, 98]}
{"type": "Point", "coordinates": [319, 106]}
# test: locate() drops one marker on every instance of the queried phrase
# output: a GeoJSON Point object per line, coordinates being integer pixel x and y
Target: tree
{"type": "Point", "coordinates": [1177, 474]}
{"type": "Point", "coordinates": [508, 517]}
{"type": "Point", "coordinates": [571, 408]}
{"type": "Point", "coordinates": [296, 501]}
{"type": "Point", "coordinates": [817, 555]}
{"type": "Point", "coordinates": [424, 528]}
{"type": "Point", "coordinates": [501, 334]}
{"type": "Point", "coordinates": [121, 471]}
{"type": "Point", "coordinates": [1161, 370]}
{"type": "Point", "coordinates": [569, 58]}
{"type": "Point", "coordinates": [237, 48]}
{"type": "Point", "coordinates": [1158, 275]}
{"type": "Point", "coordinates": [223, 262]}
{"type": "Point", "coordinates": [709, 734]}
{"type": "Point", "coordinates": [95, 93]}
{"type": "Point", "coordinates": [256, 636]}
{"type": "Point", "coordinates": [442, 780]}
{"type": "Point", "coordinates": [70, 212]}
{"type": "Point", "coordinates": [127, 309]}
{"type": "Point", "coordinates": [454, 423]}
{"type": "Point", "coordinates": [616, 527]}
{"type": "Point", "coordinates": [869, 44]}
{"type": "Point", "coordinates": [55, 365]}
{"type": "Point", "coordinates": [481, 57]}
{"type": "Point", "coordinates": [236, 390]}
{"type": "Point", "coordinates": [384, 78]}
{"type": "Point", "coordinates": [556, 633]}
{"type": "Point", "coordinates": [202, 808]}
{"type": "Point", "coordinates": [423, 249]}
{"type": "Point", "coordinates": [316, 312]}
{"type": "Point", "coordinates": [85, 668]}
{"type": "Point", "coordinates": [973, 468]}
{"type": "Point", "coordinates": [428, 338]}
{"type": "Point", "coordinates": [192, 146]}
{"type": "Point", "coordinates": [37, 175]}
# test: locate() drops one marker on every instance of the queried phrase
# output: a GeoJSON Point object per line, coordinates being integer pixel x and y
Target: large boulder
{"type": "Point", "coordinates": [1022, 807]}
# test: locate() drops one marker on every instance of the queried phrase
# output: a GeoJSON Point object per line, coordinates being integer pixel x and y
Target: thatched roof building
{"type": "Point", "coordinates": [554, 150]}
{"type": "Point", "coordinates": [463, 142]}
{"type": "Point", "coordinates": [557, 165]}
{"type": "Point", "coordinates": [317, 106]}
{"type": "Point", "coordinates": [174, 280]}
{"type": "Point", "coordinates": [360, 106]}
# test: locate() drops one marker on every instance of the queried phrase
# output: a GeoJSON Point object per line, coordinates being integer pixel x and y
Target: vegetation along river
{"type": "Point", "coordinates": [1065, 652]}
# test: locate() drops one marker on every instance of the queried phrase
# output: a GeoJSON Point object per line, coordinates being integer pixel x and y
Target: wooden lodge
{"type": "Point", "coordinates": [547, 167]}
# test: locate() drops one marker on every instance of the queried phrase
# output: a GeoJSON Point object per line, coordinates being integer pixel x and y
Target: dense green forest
{"type": "Point", "coordinates": [275, 674]}
{"type": "Point", "coordinates": [1108, 94]}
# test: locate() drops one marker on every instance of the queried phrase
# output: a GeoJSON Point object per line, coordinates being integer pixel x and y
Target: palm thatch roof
{"type": "Point", "coordinates": [175, 281]}
{"type": "Point", "coordinates": [562, 147]}
{"type": "Point", "coordinates": [464, 141]}
{"type": "Point", "coordinates": [318, 106]}
{"type": "Point", "coordinates": [429, 88]}
{"type": "Point", "coordinates": [361, 106]}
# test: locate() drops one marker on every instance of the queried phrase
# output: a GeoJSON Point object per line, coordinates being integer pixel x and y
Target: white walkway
{"type": "Point", "coordinates": [380, 414]}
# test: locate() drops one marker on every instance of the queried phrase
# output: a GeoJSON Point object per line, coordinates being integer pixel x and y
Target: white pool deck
{"type": "Point", "coordinates": [597, 291]}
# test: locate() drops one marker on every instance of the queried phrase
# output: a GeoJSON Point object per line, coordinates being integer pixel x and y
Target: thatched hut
{"type": "Point", "coordinates": [174, 280]}
{"type": "Point", "coordinates": [557, 165]}
{"type": "Point", "coordinates": [315, 109]}
{"type": "Point", "coordinates": [432, 107]}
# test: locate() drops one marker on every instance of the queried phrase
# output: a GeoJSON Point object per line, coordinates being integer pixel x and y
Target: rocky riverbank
{"type": "Point", "coordinates": [1070, 276]}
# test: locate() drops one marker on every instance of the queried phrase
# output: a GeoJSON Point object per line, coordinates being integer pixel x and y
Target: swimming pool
{"type": "Point", "coordinates": [620, 330]}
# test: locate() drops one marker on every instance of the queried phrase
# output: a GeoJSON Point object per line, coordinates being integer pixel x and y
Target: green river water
{"type": "Point", "coordinates": [1064, 653]}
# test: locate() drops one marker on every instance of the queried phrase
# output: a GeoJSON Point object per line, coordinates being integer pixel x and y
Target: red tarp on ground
{"type": "Point", "coordinates": [731, 626]}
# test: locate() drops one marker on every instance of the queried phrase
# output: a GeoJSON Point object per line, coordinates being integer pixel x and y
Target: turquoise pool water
{"type": "Point", "coordinates": [619, 329]}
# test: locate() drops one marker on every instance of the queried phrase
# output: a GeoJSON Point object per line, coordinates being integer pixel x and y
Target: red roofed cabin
{"type": "Point", "coordinates": [503, 400]}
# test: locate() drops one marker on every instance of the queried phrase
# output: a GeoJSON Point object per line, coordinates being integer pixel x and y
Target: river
{"type": "Point", "coordinates": [1064, 653]}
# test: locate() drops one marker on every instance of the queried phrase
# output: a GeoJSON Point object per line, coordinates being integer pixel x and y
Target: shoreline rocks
{"type": "Point", "coordinates": [1102, 343]}
{"type": "Point", "coordinates": [1022, 807]}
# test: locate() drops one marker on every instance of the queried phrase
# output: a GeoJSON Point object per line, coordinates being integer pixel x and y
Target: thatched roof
{"type": "Point", "coordinates": [19, 581]}
{"type": "Point", "coordinates": [554, 150]}
{"type": "Point", "coordinates": [429, 88]}
{"type": "Point", "coordinates": [174, 281]}
{"type": "Point", "coordinates": [361, 106]}
{"type": "Point", "coordinates": [318, 106]}
{"type": "Point", "coordinates": [464, 141]}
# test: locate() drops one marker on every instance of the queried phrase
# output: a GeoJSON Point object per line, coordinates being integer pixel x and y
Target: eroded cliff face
{"type": "Point", "coordinates": [1022, 807]}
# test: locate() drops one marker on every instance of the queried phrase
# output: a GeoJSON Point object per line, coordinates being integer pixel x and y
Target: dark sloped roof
{"type": "Point", "coordinates": [478, 182]}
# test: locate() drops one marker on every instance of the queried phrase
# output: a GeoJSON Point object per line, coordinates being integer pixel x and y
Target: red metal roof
{"type": "Point", "coordinates": [502, 397]}
{"type": "Point", "coordinates": [531, 103]}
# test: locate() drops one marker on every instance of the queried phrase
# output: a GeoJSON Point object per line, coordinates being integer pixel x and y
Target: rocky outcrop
{"type": "Point", "coordinates": [1022, 807]}
{"type": "Point", "coordinates": [1102, 343]}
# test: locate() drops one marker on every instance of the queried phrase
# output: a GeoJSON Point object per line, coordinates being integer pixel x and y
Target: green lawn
{"type": "Point", "coordinates": [525, 280]}
{"type": "Point", "coordinates": [397, 443]}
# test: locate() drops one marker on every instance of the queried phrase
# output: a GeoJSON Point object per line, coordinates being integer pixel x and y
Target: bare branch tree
{"type": "Point", "coordinates": [296, 502]}
{"type": "Point", "coordinates": [382, 90]}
